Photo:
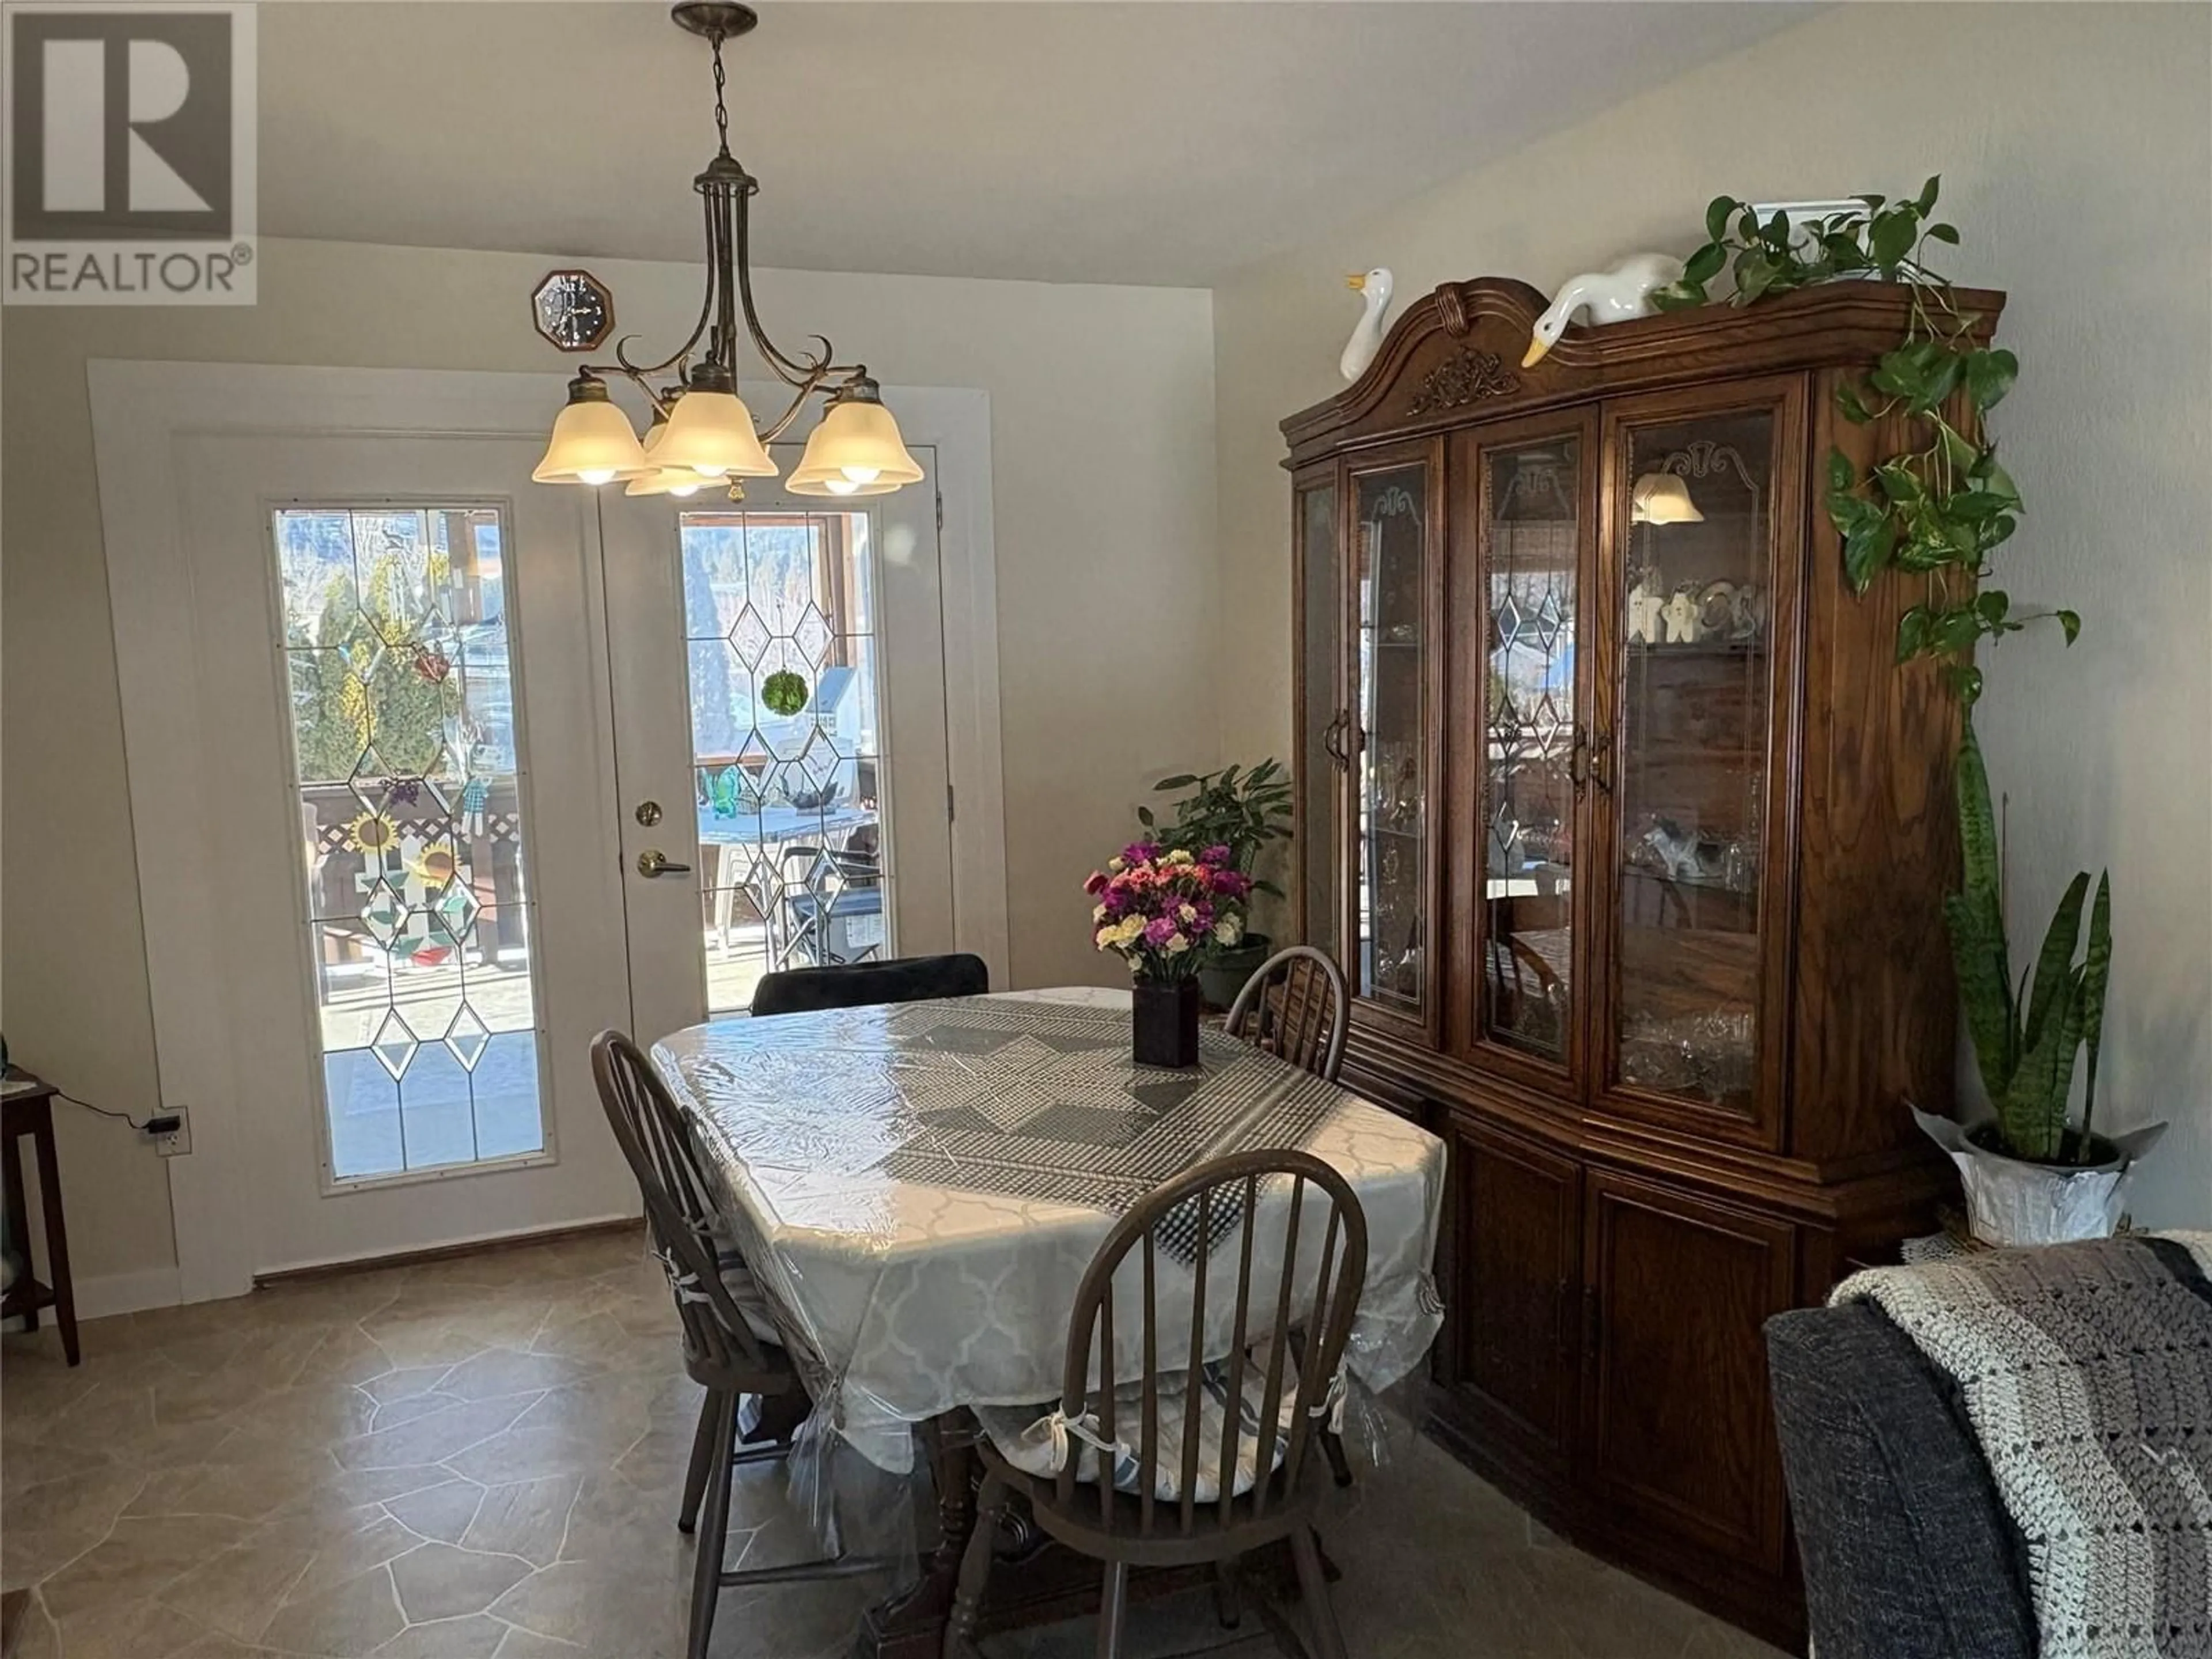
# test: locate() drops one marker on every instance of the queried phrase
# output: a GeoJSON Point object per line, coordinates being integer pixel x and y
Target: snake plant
{"type": "Point", "coordinates": [2026, 1033]}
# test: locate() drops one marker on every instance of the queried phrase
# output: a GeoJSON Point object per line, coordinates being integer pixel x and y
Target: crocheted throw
{"type": "Point", "coordinates": [2085, 1372]}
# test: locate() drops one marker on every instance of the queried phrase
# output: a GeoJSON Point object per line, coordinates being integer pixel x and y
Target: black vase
{"type": "Point", "coordinates": [1164, 1024]}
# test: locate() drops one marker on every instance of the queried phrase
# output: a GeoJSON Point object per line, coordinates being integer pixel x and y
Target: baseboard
{"type": "Point", "coordinates": [519, 1238]}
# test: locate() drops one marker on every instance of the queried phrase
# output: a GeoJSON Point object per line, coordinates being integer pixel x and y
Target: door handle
{"type": "Point", "coordinates": [1601, 758]}
{"type": "Point", "coordinates": [654, 862]}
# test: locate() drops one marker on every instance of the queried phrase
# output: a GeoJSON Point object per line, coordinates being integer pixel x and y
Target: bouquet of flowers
{"type": "Point", "coordinates": [1166, 911]}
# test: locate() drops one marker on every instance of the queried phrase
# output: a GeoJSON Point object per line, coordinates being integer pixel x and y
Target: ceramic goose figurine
{"type": "Point", "coordinates": [1367, 339]}
{"type": "Point", "coordinates": [1609, 296]}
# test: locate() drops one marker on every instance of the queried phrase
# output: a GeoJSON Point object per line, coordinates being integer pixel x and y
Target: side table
{"type": "Point", "coordinates": [26, 1108]}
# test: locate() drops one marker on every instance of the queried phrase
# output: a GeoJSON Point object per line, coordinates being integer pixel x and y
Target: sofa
{"type": "Point", "coordinates": [1907, 1554]}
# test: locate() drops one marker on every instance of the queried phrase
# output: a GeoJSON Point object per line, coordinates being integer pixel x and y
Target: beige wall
{"type": "Point", "coordinates": [2075, 144]}
{"type": "Point", "coordinates": [1102, 407]}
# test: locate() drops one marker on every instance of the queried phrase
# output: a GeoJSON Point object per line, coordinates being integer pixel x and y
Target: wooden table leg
{"type": "Point", "coordinates": [911, 1624]}
{"type": "Point", "coordinates": [50, 1200]}
{"type": "Point", "coordinates": [11, 1192]}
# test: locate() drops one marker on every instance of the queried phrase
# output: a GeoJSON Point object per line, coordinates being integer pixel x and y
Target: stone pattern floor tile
{"type": "Point", "coordinates": [482, 1458]}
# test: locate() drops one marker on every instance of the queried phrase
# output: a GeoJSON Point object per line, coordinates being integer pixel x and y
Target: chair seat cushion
{"type": "Point", "coordinates": [752, 1302]}
{"type": "Point", "coordinates": [1038, 1440]}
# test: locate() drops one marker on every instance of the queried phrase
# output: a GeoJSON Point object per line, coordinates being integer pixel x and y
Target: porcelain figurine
{"type": "Point", "coordinates": [1672, 848]}
{"type": "Point", "coordinates": [1617, 295]}
{"type": "Point", "coordinates": [1682, 617]}
{"type": "Point", "coordinates": [1646, 605]}
{"type": "Point", "coordinates": [1374, 289]}
{"type": "Point", "coordinates": [1750, 618]}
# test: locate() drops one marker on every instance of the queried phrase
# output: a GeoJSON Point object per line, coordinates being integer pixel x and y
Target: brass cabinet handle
{"type": "Point", "coordinates": [1601, 758]}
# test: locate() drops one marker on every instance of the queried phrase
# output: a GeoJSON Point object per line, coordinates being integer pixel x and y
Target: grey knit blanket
{"type": "Point", "coordinates": [2085, 1372]}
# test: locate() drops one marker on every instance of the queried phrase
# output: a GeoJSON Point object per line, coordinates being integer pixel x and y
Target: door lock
{"type": "Point", "coordinates": [654, 862]}
{"type": "Point", "coordinates": [648, 812]}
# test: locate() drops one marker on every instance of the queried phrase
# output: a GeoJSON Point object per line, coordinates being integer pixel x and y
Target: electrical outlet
{"type": "Point", "coordinates": [179, 1140]}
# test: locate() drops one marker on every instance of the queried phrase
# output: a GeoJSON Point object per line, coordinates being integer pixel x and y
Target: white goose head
{"type": "Point", "coordinates": [1374, 286]}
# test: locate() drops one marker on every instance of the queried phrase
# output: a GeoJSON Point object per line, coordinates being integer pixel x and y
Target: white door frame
{"type": "Point", "coordinates": [139, 411]}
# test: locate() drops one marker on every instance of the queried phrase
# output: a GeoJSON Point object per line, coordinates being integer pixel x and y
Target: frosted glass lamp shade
{"type": "Point", "coordinates": [711, 433]}
{"type": "Point", "coordinates": [1662, 498]}
{"type": "Point", "coordinates": [591, 442]}
{"type": "Point", "coordinates": [664, 480]}
{"type": "Point", "coordinates": [856, 450]}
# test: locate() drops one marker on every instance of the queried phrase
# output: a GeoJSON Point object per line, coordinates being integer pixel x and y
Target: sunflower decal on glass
{"type": "Point", "coordinates": [413, 835]}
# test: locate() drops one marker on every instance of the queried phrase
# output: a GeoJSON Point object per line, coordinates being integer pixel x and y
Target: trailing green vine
{"type": "Point", "coordinates": [1941, 509]}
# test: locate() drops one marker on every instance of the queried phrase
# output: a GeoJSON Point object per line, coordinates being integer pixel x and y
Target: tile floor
{"type": "Point", "coordinates": [482, 1458]}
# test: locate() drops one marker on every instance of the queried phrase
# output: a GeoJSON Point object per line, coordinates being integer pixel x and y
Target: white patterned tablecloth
{"type": "Point", "coordinates": [921, 1187]}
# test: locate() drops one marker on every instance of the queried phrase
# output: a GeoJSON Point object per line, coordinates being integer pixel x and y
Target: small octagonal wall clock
{"type": "Point", "coordinates": [574, 309]}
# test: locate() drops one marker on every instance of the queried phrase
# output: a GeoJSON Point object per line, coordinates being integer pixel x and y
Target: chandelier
{"type": "Point", "coordinates": [701, 433]}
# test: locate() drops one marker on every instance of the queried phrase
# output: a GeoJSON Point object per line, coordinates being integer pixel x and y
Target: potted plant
{"type": "Point", "coordinates": [2031, 1176]}
{"type": "Point", "coordinates": [1243, 810]}
{"type": "Point", "coordinates": [1166, 911]}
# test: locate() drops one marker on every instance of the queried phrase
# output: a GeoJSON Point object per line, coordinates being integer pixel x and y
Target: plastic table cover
{"type": "Point", "coordinates": [921, 1186]}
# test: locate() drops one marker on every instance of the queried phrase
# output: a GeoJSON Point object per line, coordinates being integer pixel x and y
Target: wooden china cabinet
{"type": "Point", "coordinates": [1630, 837]}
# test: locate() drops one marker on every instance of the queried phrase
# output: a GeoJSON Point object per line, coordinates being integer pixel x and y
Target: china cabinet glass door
{"type": "Point", "coordinates": [1523, 732]}
{"type": "Point", "coordinates": [1323, 715]}
{"type": "Point", "coordinates": [1393, 738]}
{"type": "Point", "coordinates": [1702, 595]}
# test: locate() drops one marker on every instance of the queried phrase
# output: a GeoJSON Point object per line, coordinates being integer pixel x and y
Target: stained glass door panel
{"type": "Point", "coordinates": [1391, 770]}
{"type": "Point", "coordinates": [411, 784]}
{"type": "Point", "coordinates": [1531, 736]}
{"type": "Point", "coordinates": [1695, 690]}
{"type": "Point", "coordinates": [787, 759]}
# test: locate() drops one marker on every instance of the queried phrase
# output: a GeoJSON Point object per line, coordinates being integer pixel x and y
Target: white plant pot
{"type": "Point", "coordinates": [2010, 1201]}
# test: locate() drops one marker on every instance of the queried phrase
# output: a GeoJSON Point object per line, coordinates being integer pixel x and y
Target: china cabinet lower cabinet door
{"type": "Point", "coordinates": [1679, 1432]}
{"type": "Point", "coordinates": [1516, 1236]}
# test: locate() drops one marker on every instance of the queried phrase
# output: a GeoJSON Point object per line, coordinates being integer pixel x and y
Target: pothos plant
{"type": "Point", "coordinates": [1942, 507]}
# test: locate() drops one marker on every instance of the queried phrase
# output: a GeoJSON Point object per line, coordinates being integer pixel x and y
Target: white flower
{"type": "Point", "coordinates": [1228, 931]}
{"type": "Point", "coordinates": [1181, 855]}
{"type": "Point", "coordinates": [1098, 913]}
{"type": "Point", "coordinates": [1177, 945]}
{"type": "Point", "coordinates": [1188, 913]}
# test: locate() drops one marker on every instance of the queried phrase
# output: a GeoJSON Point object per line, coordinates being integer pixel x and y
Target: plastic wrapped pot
{"type": "Point", "coordinates": [2011, 1202]}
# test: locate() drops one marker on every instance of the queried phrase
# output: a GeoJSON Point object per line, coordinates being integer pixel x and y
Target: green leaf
{"type": "Point", "coordinates": [1180, 780]}
{"type": "Point", "coordinates": [1900, 483]}
{"type": "Point", "coordinates": [1746, 224]}
{"type": "Point", "coordinates": [1873, 202]}
{"type": "Point", "coordinates": [2069, 623]}
{"type": "Point", "coordinates": [1890, 238]}
{"type": "Point", "coordinates": [1994, 479]}
{"type": "Point", "coordinates": [1965, 680]}
{"type": "Point", "coordinates": [1719, 211]}
{"type": "Point", "coordinates": [1677, 296]}
{"type": "Point", "coordinates": [2096, 970]}
{"type": "Point", "coordinates": [1850, 405]}
{"type": "Point", "coordinates": [1990, 375]}
{"type": "Point", "coordinates": [1866, 549]}
{"type": "Point", "coordinates": [1145, 817]}
{"type": "Point", "coordinates": [1776, 232]}
{"type": "Point", "coordinates": [2054, 962]}
{"type": "Point", "coordinates": [1960, 453]}
{"type": "Point", "coordinates": [1975, 504]}
{"type": "Point", "coordinates": [1911, 633]}
{"type": "Point", "coordinates": [1944, 234]}
{"type": "Point", "coordinates": [1842, 475]}
{"type": "Point", "coordinates": [1705, 263]}
{"type": "Point", "coordinates": [1926, 200]}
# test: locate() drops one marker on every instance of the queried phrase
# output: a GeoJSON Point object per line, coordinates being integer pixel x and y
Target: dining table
{"type": "Point", "coordinates": [919, 1186]}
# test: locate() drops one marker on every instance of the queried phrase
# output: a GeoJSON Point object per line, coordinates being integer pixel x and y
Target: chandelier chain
{"type": "Point", "coordinates": [721, 109]}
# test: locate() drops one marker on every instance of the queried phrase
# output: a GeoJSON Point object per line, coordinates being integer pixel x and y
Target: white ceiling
{"type": "Point", "coordinates": [1092, 142]}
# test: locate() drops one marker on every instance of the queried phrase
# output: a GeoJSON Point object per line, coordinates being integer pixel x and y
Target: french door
{"type": "Point", "coordinates": [784, 775]}
{"type": "Point", "coordinates": [435, 773]}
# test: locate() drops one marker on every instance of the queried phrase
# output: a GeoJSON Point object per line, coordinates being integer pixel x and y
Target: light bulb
{"type": "Point", "coordinates": [860, 475]}
{"type": "Point", "coordinates": [842, 486]}
{"type": "Point", "coordinates": [711, 471]}
{"type": "Point", "coordinates": [596, 475]}
{"type": "Point", "coordinates": [682, 490]}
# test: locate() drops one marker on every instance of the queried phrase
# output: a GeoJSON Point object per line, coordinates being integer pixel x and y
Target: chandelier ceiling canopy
{"type": "Point", "coordinates": [701, 433]}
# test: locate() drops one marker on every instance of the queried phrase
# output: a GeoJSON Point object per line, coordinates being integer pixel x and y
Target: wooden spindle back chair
{"type": "Point", "coordinates": [1298, 1222]}
{"type": "Point", "coordinates": [1296, 1005]}
{"type": "Point", "coordinates": [732, 1347]}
